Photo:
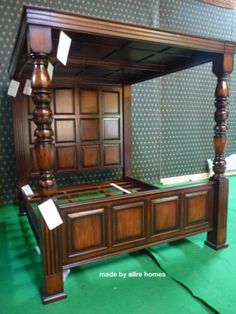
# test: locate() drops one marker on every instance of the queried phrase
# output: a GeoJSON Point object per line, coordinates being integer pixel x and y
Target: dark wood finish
{"type": "Point", "coordinates": [66, 158]}
{"type": "Point", "coordinates": [21, 134]}
{"type": "Point", "coordinates": [128, 223]}
{"type": "Point", "coordinates": [217, 237]}
{"type": "Point", "coordinates": [112, 154]}
{"type": "Point", "coordinates": [41, 95]}
{"type": "Point", "coordinates": [92, 107]}
{"type": "Point", "coordinates": [64, 101]}
{"type": "Point", "coordinates": [89, 102]}
{"type": "Point", "coordinates": [77, 136]}
{"type": "Point", "coordinates": [87, 231]}
{"type": "Point", "coordinates": [52, 264]}
{"type": "Point", "coordinates": [198, 208]}
{"type": "Point", "coordinates": [90, 156]}
{"type": "Point", "coordinates": [165, 213]}
{"type": "Point", "coordinates": [111, 52]}
{"type": "Point", "coordinates": [230, 4]}
{"type": "Point", "coordinates": [64, 130]}
{"type": "Point", "coordinates": [117, 222]}
{"type": "Point", "coordinates": [89, 129]}
{"type": "Point", "coordinates": [222, 66]}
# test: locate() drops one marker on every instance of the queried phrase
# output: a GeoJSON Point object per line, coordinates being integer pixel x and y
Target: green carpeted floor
{"type": "Point", "coordinates": [198, 279]}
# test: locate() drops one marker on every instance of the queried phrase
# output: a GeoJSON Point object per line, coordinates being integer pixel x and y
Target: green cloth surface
{"type": "Point", "coordinates": [205, 273]}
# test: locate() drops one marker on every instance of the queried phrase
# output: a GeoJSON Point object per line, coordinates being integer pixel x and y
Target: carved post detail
{"type": "Point", "coordinates": [221, 115]}
{"type": "Point", "coordinates": [42, 116]}
{"type": "Point", "coordinates": [222, 66]}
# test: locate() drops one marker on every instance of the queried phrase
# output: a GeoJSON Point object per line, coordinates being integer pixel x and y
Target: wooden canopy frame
{"type": "Point", "coordinates": [125, 54]}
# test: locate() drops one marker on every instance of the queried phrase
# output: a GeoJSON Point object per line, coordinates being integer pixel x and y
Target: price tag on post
{"type": "Point", "coordinates": [27, 189]}
{"type": "Point", "coordinates": [63, 47]}
{"type": "Point", "coordinates": [50, 214]}
{"type": "Point", "coordinates": [27, 88]}
{"type": "Point", "coordinates": [13, 88]}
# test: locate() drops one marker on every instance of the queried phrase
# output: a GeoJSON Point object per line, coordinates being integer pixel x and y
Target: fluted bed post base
{"type": "Point", "coordinates": [222, 66]}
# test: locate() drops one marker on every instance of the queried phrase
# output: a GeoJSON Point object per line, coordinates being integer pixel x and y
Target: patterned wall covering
{"type": "Point", "coordinates": [163, 145]}
{"type": "Point", "coordinates": [146, 126]}
{"type": "Point", "coordinates": [187, 118]}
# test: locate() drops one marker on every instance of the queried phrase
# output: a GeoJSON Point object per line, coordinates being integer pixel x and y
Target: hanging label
{"type": "Point", "coordinates": [63, 47]}
{"type": "Point", "coordinates": [27, 189]}
{"type": "Point", "coordinates": [50, 70]}
{"type": "Point", "coordinates": [13, 88]}
{"type": "Point", "coordinates": [50, 214]}
{"type": "Point", "coordinates": [27, 88]}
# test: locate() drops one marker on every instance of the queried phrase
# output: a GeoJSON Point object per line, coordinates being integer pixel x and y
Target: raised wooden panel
{"type": "Point", "coordinates": [89, 129]}
{"type": "Point", "coordinates": [88, 101]}
{"type": "Point", "coordinates": [86, 231]}
{"type": "Point", "coordinates": [111, 128]}
{"type": "Point", "coordinates": [64, 130]}
{"type": "Point", "coordinates": [32, 127]}
{"type": "Point", "coordinates": [111, 102]}
{"type": "Point", "coordinates": [90, 156]}
{"type": "Point", "coordinates": [66, 158]}
{"type": "Point", "coordinates": [64, 101]}
{"type": "Point", "coordinates": [165, 214]}
{"type": "Point", "coordinates": [128, 222]}
{"type": "Point", "coordinates": [196, 208]}
{"type": "Point", "coordinates": [112, 154]}
{"type": "Point", "coordinates": [94, 137]}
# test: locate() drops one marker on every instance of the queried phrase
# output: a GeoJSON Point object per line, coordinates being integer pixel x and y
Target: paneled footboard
{"type": "Point", "coordinates": [112, 223]}
{"type": "Point", "coordinates": [96, 230]}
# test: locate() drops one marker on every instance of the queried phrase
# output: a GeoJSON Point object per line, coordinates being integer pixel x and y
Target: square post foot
{"type": "Point", "coordinates": [216, 246]}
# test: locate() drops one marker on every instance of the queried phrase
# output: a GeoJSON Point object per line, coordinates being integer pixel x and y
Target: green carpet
{"type": "Point", "coordinates": [192, 269]}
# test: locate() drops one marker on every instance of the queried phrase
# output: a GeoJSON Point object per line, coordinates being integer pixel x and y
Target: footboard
{"type": "Point", "coordinates": [100, 221]}
{"type": "Point", "coordinates": [100, 229]}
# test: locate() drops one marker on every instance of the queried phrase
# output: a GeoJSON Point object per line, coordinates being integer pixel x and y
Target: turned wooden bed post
{"type": "Point", "coordinates": [222, 67]}
{"type": "Point", "coordinates": [40, 46]}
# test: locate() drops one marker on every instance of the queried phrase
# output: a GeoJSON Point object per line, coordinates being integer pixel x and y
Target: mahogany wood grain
{"type": "Point", "coordinates": [92, 107]}
{"type": "Point", "coordinates": [42, 117]}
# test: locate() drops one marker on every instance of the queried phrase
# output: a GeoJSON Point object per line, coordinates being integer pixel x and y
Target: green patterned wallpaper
{"type": "Point", "coordinates": [187, 97]}
{"type": "Point", "coordinates": [172, 128]}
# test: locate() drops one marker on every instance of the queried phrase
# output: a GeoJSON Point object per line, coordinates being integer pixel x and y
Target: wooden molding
{"type": "Point", "coordinates": [229, 4]}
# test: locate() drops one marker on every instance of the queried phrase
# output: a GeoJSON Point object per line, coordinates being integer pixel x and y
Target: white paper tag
{"type": "Point", "coordinates": [27, 88]}
{"type": "Point", "coordinates": [13, 88]}
{"type": "Point", "coordinates": [120, 188]}
{"type": "Point", "coordinates": [50, 70]}
{"type": "Point", "coordinates": [50, 214]}
{"type": "Point", "coordinates": [63, 47]}
{"type": "Point", "coordinates": [27, 189]}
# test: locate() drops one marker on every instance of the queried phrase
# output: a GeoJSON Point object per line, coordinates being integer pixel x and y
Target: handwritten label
{"type": "Point", "coordinates": [13, 88]}
{"type": "Point", "coordinates": [50, 214]}
{"type": "Point", "coordinates": [63, 48]}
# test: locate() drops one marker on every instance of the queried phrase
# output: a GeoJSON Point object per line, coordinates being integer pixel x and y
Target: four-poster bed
{"type": "Point", "coordinates": [91, 104]}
